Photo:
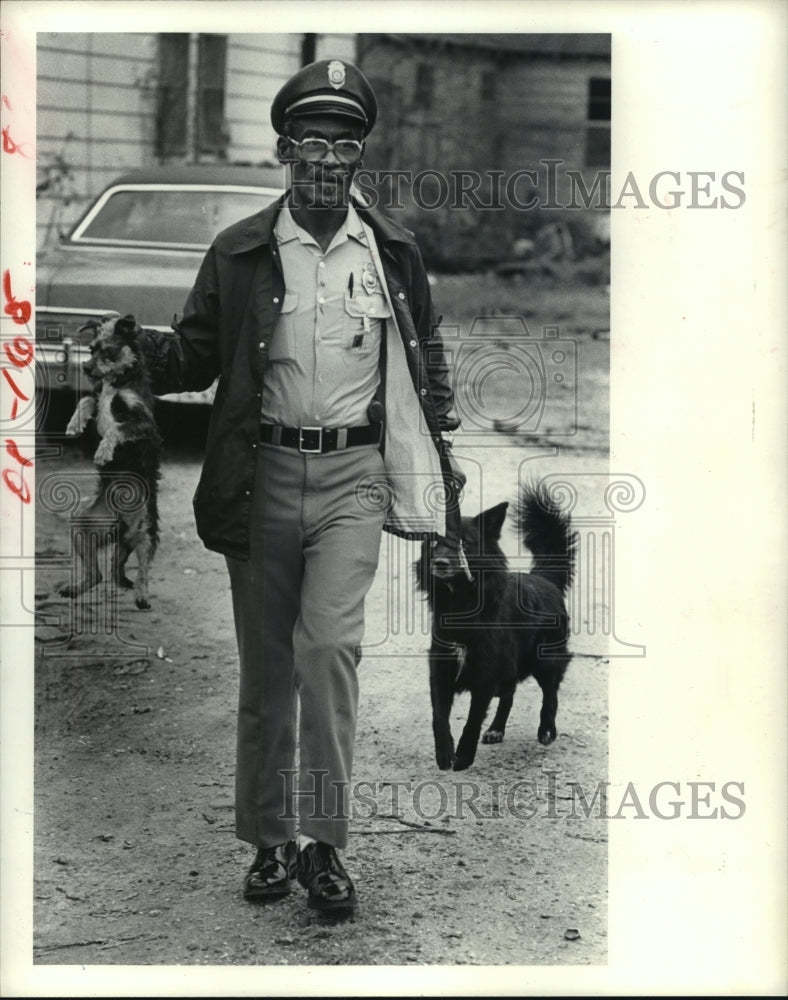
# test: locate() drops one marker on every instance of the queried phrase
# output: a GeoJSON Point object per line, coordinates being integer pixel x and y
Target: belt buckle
{"type": "Point", "coordinates": [305, 446]}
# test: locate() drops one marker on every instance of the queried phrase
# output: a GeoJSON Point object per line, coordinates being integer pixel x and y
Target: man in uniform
{"type": "Point", "coordinates": [331, 421]}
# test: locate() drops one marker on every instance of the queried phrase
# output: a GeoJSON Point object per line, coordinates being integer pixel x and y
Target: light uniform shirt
{"type": "Point", "coordinates": [325, 350]}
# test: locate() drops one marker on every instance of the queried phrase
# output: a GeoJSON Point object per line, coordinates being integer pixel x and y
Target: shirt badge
{"type": "Point", "coordinates": [336, 74]}
{"type": "Point", "coordinates": [369, 278]}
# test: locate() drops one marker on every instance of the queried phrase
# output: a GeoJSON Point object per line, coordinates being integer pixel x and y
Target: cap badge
{"type": "Point", "coordinates": [336, 74]}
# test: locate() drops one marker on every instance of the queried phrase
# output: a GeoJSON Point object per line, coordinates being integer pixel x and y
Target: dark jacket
{"type": "Point", "coordinates": [226, 330]}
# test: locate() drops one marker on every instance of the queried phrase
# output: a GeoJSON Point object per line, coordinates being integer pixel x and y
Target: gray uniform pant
{"type": "Point", "coordinates": [298, 605]}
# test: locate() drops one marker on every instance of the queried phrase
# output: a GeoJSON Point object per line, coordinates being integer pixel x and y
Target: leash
{"type": "Point", "coordinates": [464, 562]}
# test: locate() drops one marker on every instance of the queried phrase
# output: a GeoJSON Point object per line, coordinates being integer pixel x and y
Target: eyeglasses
{"type": "Point", "coordinates": [314, 150]}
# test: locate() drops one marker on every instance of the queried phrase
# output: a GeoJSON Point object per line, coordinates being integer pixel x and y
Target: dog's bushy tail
{"type": "Point", "coordinates": [547, 532]}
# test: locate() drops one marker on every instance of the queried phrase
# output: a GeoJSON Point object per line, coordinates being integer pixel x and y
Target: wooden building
{"type": "Point", "coordinates": [481, 100]}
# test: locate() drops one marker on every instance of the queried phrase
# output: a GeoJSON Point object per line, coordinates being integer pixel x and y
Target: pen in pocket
{"type": "Point", "coordinates": [350, 285]}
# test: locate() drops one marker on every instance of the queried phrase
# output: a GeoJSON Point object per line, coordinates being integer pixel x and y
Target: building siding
{"type": "Point", "coordinates": [96, 109]}
{"type": "Point", "coordinates": [257, 66]}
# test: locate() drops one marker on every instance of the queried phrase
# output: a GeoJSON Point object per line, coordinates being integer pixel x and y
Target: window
{"type": "Point", "coordinates": [194, 214]}
{"type": "Point", "coordinates": [598, 128]}
{"type": "Point", "coordinates": [308, 49]}
{"type": "Point", "coordinates": [211, 70]}
{"type": "Point", "coordinates": [425, 85]}
{"type": "Point", "coordinates": [598, 99]}
{"type": "Point", "coordinates": [171, 100]}
{"type": "Point", "coordinates": [190, 97]}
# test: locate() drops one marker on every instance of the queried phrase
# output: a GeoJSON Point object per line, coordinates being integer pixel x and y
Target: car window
{"type": "Point", "coordinates": [162, 216]}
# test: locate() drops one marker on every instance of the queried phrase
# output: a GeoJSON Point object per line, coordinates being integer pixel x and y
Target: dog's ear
{"type": "Point", "coordinates": [126, 327]}
{"type": "Point", "coordinates": [492, 521]}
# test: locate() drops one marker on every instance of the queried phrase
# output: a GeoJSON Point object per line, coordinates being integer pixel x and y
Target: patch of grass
{"type": "Point", "coordinates": [575, 308]}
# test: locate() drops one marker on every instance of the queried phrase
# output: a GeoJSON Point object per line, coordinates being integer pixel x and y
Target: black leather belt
{"type": "Point", "coordinates": [319, 440]}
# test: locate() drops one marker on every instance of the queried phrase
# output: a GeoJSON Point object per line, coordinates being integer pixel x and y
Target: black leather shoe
{"type": "Point", "coordinates": [321, 873]}
{"type": "Point", "coordinates": [270, 874]}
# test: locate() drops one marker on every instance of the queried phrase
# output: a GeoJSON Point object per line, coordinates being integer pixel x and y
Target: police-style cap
{"type": "Point", "coordinates": [328, 87]}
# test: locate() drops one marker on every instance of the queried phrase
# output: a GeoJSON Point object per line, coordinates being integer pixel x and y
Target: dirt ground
{"type": "Point", "coordinates": [136, 862]}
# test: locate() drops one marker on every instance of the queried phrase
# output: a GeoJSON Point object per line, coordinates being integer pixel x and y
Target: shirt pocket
{"type": "Point", "coordinates": [362, 323]}
{"type": "Point", "coordinates": [283, 341]}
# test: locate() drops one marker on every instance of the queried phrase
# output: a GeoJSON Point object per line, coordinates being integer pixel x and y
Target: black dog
{"type": "Point", "coordinates": [492, 628]}
{"type": "Point", "coordinates": [128, 457]}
